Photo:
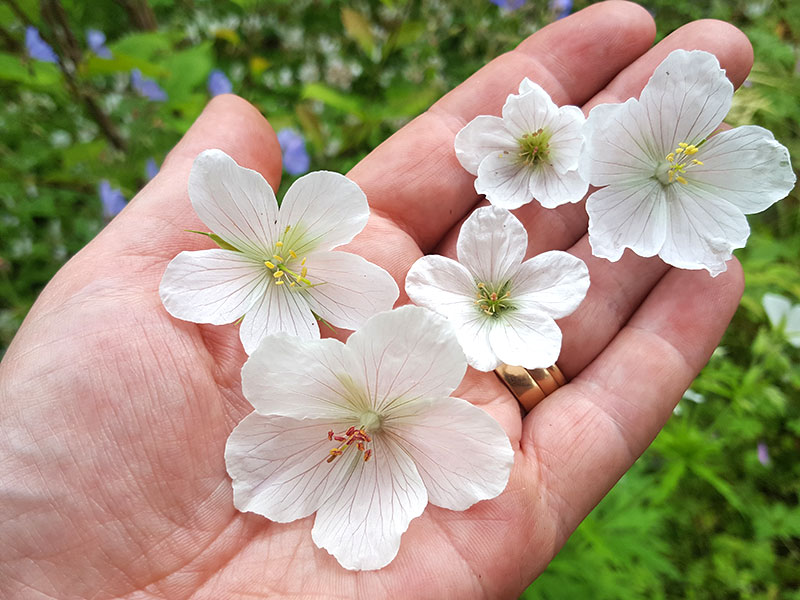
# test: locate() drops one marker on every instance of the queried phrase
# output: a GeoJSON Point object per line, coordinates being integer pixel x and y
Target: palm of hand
{"type": "Point", "coordinates": [116, 415]}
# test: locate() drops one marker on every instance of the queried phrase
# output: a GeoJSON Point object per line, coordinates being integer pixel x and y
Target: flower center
{"type": "Point", "coordinates": [354, 437]}
{"type": "Point", "coordinates": [284, 271]}
{"type": "Point", "coordinates": [534, 147]}
{"type": "Point", "coordinates": [492, 301]}
{"type": "Point", "coordinates": [678, 162]}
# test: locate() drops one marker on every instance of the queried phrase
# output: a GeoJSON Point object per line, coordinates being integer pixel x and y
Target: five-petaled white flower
{"type": "Point", "coordinates": [670, 189]}
{"type": "Point", "coordinates": [531, 152]}
{"type": "Point", "coordinates": [503, 309]}
{"type": "Point", "coordinates": [275, 266]}
{"type": "Point", "coordinates": [783, 316]}
{"type": "Point", "coordinates": [364, 434]}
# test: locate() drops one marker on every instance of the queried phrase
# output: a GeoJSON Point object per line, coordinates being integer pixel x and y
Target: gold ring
{"type": "Point", "coordinates": [530, 386]}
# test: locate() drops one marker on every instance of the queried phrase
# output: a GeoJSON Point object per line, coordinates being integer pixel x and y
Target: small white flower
{"type": "Point", "coordinates": [531, 152]}
{"type": "Point", "coordinates": [670, 189]}
{"type": "Point", "coordinates": [783, 316]}
{"type": "Point", "coordinates": [279, 267]}
{"type": "Point", "coordinates": [364, 434]}
{"type": "Point", "coordinates": [503, 309]}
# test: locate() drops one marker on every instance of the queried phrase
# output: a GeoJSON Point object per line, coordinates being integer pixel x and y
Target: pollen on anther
{"type": "Point", "coordinates": [367, 454]}
{"type": "Point", "coordinates": [279, 282]}
{"type": "Point", "coordinates": [278, 257]}
{"type": "Point", "coordinates": [292, 253]}
{"type": "Point", "coordinates": [269, 264]}
{"type": "Point", "coordinates": [304, 272]}
{"type": "Point", "coordinates": [278, 274]}
{"type": "Point", "coordinates": [279, 244]}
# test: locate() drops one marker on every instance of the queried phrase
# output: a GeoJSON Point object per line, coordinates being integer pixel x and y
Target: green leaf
{"type": "Point", "coordinates": [119, 62]}
{"type": "Point", "coordinates": [358, 28]}
{"type": "Point", "coordinates": [333, 98]}
{"type": "Point", "coordinates": [188, 69]}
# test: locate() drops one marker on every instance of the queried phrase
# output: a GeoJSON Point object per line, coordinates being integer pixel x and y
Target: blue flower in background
{"type": "Point", "coordinates": [112, 199]}
{"type": "Point", "coordinates": [147, 87]}
{"type": "Point", "coordinates": [37, 47]}
{"type": "Point", "coordinates": [97, 43]}
{"type": "Point", "coordinates": [293, 148]}
{"type": "Point", "coordinates": [150, 168]}
{"type": "Point", "coordinates": [763, 454]}
{"type": "Point", "coordinates": [508, 5]}
{"type": "Point", "coordinates": [218, 83]}
{"type": "Point", "coordinates": [562, 8]}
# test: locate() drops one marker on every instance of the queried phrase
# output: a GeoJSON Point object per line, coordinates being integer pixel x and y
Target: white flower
{"type": "Point", "coordinates": [671, 190]}
{"type": "Point", "coordinates": [531, 152]}
{"type": "Point", "coordinates": [279, 268]}
{"type": "Point", "coordinates": [783, 316]}
{"type": "Point", "coordinates": [503, 309]}
{"type": "Point", "coordinates": [364, 434]}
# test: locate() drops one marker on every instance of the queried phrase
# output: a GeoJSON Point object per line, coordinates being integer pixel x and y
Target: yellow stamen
{"type": "Point", "coordinates": [680, 179]}
{"type": "Point", "coordinates": [697, 162]}
{"type": "Point", "coordinates": [278, 274]}
{"type": "Point", "coordinates": [279, 282]}
{"type": "Point", "coordinates": [269, 264]}
{"type": "Point", "coordinates": [278, 257]}
{"type": "Point", "coordinates": [292, 284]}
{"type": "Point", "coordinates": [304, 272]}
{"type": "Point", "coordinates": [292, 253]}
{"type": "Point", "coordinates": [279, 244]}
{"type": "Point", "coordinates": [302, 262]}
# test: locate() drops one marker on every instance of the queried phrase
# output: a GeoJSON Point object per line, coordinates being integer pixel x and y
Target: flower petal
{"type": "Point", "coordinates": [407, 353]}
{"type": "Point", "coordinates": [236, 203]}
{"type": "Point", "coordinates": [777, 308]}
{"type": "Point", "coordinates": [491, 244]}
{"type": "Point", "coordinates": [552, 189]}
{"type": "Point", "coordinates": [504, 181]}
{"type": "Point", "coordinates": [461, 453]}
{"type": "Point", "coordinates": [278, 310]}
{"type": "Point", "coordinates": [323, 210]}
{"type": "Point", "coordinates": [746, 167]}
{"type": "Point", "coordinates": [553, 282]}
{"type": "Point", "coordinates": [279, 466]}
{"type": "Point", "coordinates": [439, 283]}
{"type": "Point", "coordinates": [472, 331]}
{"type": "Point", "coordinates": [528, 112]}
{"type": "Point", "coordinates": [478, 138]}
{"type": "Point", "coordinates": [686, 99]}
{"type": "Point", "coordinates": [291, 377]}
{"type": "Point", "coordinates": [361, 524]}
{"type": "Point", "coordinates": [212, 286]}
{"type": "Point", "coordinates": [566, 138]}
{"type": "Point", "coordinates": [617, 150]}
{"type": "Point", "coordinates": [627, 216]}
{"type": "Point", "coordinates": [792, 328]}
{"type": "Point", "coordinates": [347, 289]}
{"type": "Point", "coordinates": [526, 337]}
{"type": "Point", "coordinates": [703, 230]}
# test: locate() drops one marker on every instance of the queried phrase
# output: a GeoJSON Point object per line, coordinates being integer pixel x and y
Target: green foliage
{"type": "Point", "coordinates": [699, 516]}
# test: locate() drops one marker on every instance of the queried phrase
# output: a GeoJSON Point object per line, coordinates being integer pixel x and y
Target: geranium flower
{"type": "Point", "coordinates": [275, 267]}
{"type": "Point", "coordinates": [531, 152]}
{"type": "Point", "coordinates": [670, 189]}
{"type": "Point", "coordinates": [783, 316]}
{"type": "Point", "coordinates": [147, 88]}
{"type": "Point", "coordinates": [96, 41]}
{"type": "Point", "coordinates": [293, 149]}
{"type": "Point", "coordinates": [365, 434]}
{"type": "Point", "coordinates": [218, 83]}
{"type": "Point", "coordinates": [111, 198]}
{"type": "Point", "coordinates": [37, 48]}
{"type": "Point", "coordinates": [503, 309]}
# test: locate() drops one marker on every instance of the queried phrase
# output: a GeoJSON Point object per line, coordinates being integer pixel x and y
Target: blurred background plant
{"type": "Point", "coordinates": [96, 93]}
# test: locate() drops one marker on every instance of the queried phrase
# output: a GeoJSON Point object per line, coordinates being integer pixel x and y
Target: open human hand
{"type": "Point", "coordinates": [114, 415]}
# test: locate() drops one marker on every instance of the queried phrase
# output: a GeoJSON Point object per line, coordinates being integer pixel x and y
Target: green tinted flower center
{"type": "Point", "coordinates": [493, 301]}
{"type": "Point", "coordinates": [534, 148]}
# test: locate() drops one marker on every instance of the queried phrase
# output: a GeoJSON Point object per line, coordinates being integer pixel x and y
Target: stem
{"type": "Point", "coordinates": [140, 14]}
{"type": "Point", "coordinates": [54, 15]}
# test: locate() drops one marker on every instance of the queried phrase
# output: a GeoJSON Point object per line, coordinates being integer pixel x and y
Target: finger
{"type": "Point", "coordinates": [586, 434]}
{"type": "Point", "coordinates": [414, 178]}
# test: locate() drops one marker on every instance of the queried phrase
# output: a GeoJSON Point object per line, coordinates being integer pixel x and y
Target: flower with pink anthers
{"type": "Point", "coordinates": [363, 434]}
